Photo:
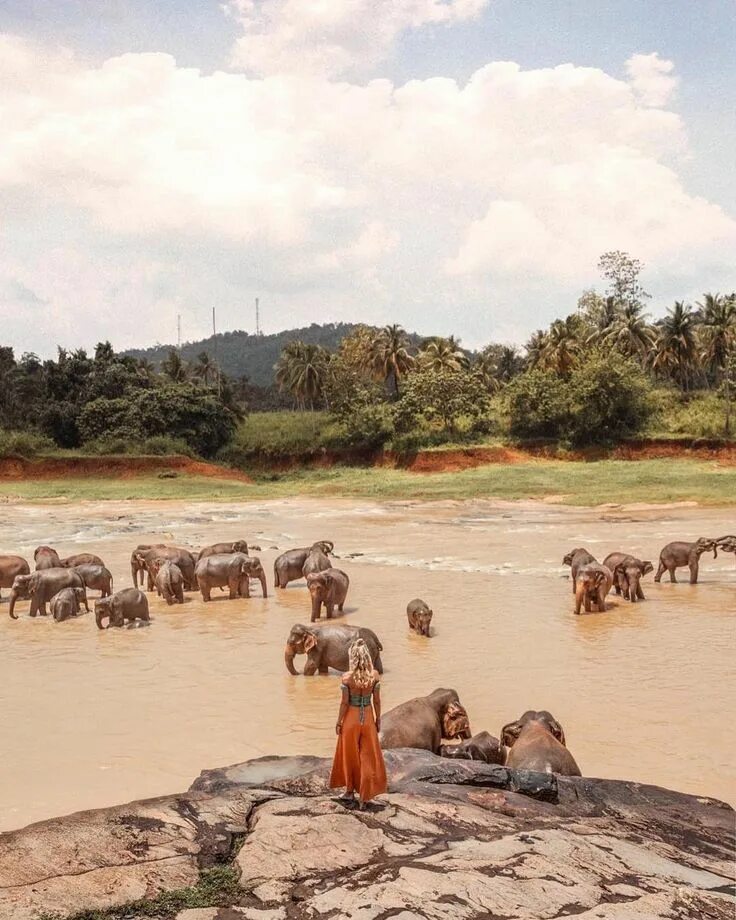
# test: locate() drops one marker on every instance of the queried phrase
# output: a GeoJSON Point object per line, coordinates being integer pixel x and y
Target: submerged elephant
{"type": "Point", "coordinates": [169, 581]}
{"type": "Point", "coordinates": [327, 647]}
{"type": "Point", "coordinates": [536, 742]}
{"type": "Point", "coordinates": [96, 577]}
{"type": "Point", "coordinates": [224, 549]}
{"type": "Point", "coordinates": [67, 603]}
{"type": "Point", "coordinates": [229, 570]}
{"type": "Point", "coordinates": [46, 557]}
{"type": "Point", "coordinates": [628, 572]}
{"type": "Point", "coordinates": [129, 605]}
{"type": "Point", "coordinates": [419, 615]}
{"type": "Point", "coordinates": [316, 561]}
{"type": "Point", "coordinates": [679, 554]}
{"type": "Point", "coordinates": [10, 566]}
{"type": "Point", "coordinates": [142, 560]}
{"type": "Point", "coordinates": [328, 588]}
{"type": "Point", "coordinates": [289, 565]}
{"type": "Point", "coordinates": [483, 747]}
{"type": "Point", "coordinates": [71, 562]}
{"type": "Point", "coordinates": [576, 559]}
{"type": "Point", "coordinates": [592, 586]}
{"type": "Point", "coordinates": [41, 586]}
{"type": "Point", "coordinates": [424, 721]}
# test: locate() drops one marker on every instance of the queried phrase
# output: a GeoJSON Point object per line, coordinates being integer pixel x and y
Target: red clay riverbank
{"type": "Point", "coordinates": [20, 468]}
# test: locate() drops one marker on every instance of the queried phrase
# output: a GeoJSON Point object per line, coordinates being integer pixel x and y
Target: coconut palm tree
{"type": "Point", "coordinates": [535, 348]}
{"type": "Point", "coordinates": [389, 358]}
{"type": "Point", "coordinates": [204, 369]}
{"type": "Point", "coordinates": [562, 345]}
{"type": "Point", "coordinates": [173, 367]}
{"type": "Point", "coordinates": [630, 333]}
{"type": "Point", "coordinates": [718, 335]}
{"type": "Point", "coordinates": [606, 315]}
{"type": "Point", "coordinates": [302, 370]}
{"type": "Point", "coordinates": [439, 354]}
{"type": "Point", "coordinates": [676, 344]}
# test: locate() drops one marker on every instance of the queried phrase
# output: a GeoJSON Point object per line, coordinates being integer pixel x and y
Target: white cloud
{"type": "Point", "coordinates": [652, 78]}
{"type": "Point", "coordinates": [331, 36]}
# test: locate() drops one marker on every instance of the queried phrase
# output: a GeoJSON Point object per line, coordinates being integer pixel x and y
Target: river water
{"type": "Point", "coordinates": [645, 692]}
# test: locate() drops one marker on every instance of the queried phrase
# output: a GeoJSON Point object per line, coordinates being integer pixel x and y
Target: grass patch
{"type": "Point", "coordinates": [578, 483]}
{"type": "Point", "coordinates": [217, 887]}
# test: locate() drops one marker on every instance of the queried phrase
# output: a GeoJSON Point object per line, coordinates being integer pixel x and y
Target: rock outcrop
{"type": "Point", "coordinates": [453, 839]}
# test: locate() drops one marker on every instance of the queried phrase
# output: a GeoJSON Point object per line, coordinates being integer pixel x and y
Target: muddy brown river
{"type": "Point", "coordinates": [645, 692]}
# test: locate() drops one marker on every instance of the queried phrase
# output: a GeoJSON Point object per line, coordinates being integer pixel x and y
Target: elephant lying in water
{"type": "Point", "coordinates": [419, 615]}
{"type": "Point", "coordinates": [41, 586]}
{"type": "Point", "coordinates": [536, 742]}
{"type": "Point", "coordinates": [289, 566]}
{"type": "Point", "coordinates": [483, 747]}
{"type": "Point", "coordinates": [10, 566]}
{"type": "Point", "coordinates": [592, 586]}
{"type": "Point", "coordinates": [679, 554]}
{"type": "Point", "coordinates": [96, 577]}
{"type": "Point", "coordinates": [424, 721]}
{"type": "Point", "coordinates": [576, 559]}
{"type": "Point", "coordinates": [223, 549]}
{"type": "Point", "coordinates": [329, 588]}
{"type": "Point", "coordinates": [67, 603]}
{"type": "Point", "coordinates": [327, 647]}
{"type": "Point", "coordinates": [232, 571]}
{"type": "Point", "coordinates": [129, 605]}
{"type": "Point", "coordinates": [627, 573]}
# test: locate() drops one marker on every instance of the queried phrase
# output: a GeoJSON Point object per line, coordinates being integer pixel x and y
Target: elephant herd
{"type": "Point", "coordinates": [593, 580]}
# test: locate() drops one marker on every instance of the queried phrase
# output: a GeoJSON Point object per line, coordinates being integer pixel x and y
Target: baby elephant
{"type": "Point", "coordinates": [169, 581]}
{"type": "Point", "coordinates": [67, 603]}
{"type": "Point", "coordinates": [329, 588]}
{"type": "Point", "coordinates": [593, 584]}
{"type": "Point", "coordinates": [483, 747]}
{"type": "Point", "coordinates": [129, 605]}
{"type": "Point", "coordinates": [536, 742]}
{"type": "Point", "coordinates": [419, 615]}
{"type": "Point", "coordinates": [576, 559]}
{"type": "Point", "coordinates": [627, 574]}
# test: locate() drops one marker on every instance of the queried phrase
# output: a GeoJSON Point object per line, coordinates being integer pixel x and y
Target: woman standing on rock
{"type": "Point", "coordinates": [358, 763]}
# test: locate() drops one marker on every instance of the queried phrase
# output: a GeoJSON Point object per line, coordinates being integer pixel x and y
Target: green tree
{"type": "Point", "coordinates": [630, 335]}
{"type": "Point", "coordinates": [676, 344]}
{"type": "Point", "coordinates": [204, 368]}
{"type": "Point", "coordinates": [562, 345]}
{"type": "Point", "coordinates": [440, 354]}
{"type": "Point", "coordinates": [174, 367]}
{"type": "Point", "coordinates": [302, 371]}
{"type": "Point", "coordinates": [390, 357]}
{"type": "Point", "coordinates": [622, 273]}
{"type": "Point", "coordinates": [537, 404]}
{"type": "Point", "coordinates": [717, 316]}
{"type": "Point", "coordinates": [444, 395]}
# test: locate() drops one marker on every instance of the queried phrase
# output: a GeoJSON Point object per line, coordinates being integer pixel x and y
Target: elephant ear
{"type": "Point", "coordinates": [646, 567]}
{"type": "Point", "coordinates": [557, 731]}
{"type": "Point", "coordinates": [510, 733]}
{"type": "Point", "coordinates": [309, 643]}
{"type": "Point", "coordinates": [599, 577]}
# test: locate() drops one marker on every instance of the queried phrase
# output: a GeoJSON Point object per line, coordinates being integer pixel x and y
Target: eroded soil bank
{"type": "Point", "coordinates": [91, 718]}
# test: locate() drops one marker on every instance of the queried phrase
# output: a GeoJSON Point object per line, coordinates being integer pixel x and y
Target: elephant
{"type": "Point", "coordinates": [536, 742]}
{"type": "Point", "coordinates": [727, 543]}
{"type": "Point", "coordinates": [41, 587]}
{"type": "Point", "coordinates": [316, 561]}
{"type": "Point", "coordinates": [289, 565]}
{"type": "Point", "coordinates": [169, 581]}
{"type": "Point", "coordinates": [96, 577]}
{"type": "Point", "coordinates": [483, 747]}
{"type": "Point", "coordinates": [593, 584]}
{"type": "Point", "coordinates": [71, 562]}
{"type": "Point", "coordinates": [678, 554]}
{"type": "Point", "coordinates": [329, 588]}
{"type": "Point", "coordinates": [576, 559]}
{"type": "Point", "coordinates": [46, 557]}
{"type": "Point", "coordinates": [130, 604]}
{"type": "Point", "coordinates": [627, 574]}
{"type": "Point", "coordinates": [66, 604]}
{"type": "Point", "coordinates": [142, 561]}
{"type": "Point", "coordinates": [327, 647]}
{"type": "Point", "coordinates": [424, 721]}
{"type": "Point", "coordinates": [10, 566]}
{"type": "Point", "coordinates": [419, 615]}
{"type": "Point", "coordinates": [232, 570]}
{"type": "Point", "coordinates": [223, 549]}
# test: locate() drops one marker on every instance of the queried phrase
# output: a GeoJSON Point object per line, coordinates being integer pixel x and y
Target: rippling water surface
{"type": "Point", "coordinates": [645, 691]}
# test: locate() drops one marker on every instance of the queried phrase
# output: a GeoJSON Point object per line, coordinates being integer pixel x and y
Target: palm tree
{"type": "Point", "coordinates": [439, 354]}
{"type": "Point", "coordinates": [389, 357]}
{"type": "Point", "coordinates": [204, 369]}
{"type": "Point", "coordinates": [562, 345]}
{"type": "Point", "coordinates": [676, 345]}
{"type": "Point", "coordinates": [302, 370]}
{"type": "Point", "coordinates": [630, 333]}
{"type": "Point", "coordinates": [605, 319]}
{"type": "Point", "coordinates": [173, 367]}
{"type": "Point", "coordinates": [718, 327]}
{"type": "Point", "coordinates": [535, 348]}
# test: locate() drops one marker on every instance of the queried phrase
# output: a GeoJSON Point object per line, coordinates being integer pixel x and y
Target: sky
{"type": "Point", "coordinates": [456, 166]}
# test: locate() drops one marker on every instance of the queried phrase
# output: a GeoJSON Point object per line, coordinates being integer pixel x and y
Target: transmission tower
{"type": "Point", "coordinates": [258, 318]}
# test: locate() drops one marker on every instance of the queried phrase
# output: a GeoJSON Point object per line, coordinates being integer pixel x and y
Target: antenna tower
{"type": "Point", "coordinates": [178, 331]}
{"type": "Point", "coordinates": [258, 318]}
{"type": "Point", "coordinates": [214, 349]}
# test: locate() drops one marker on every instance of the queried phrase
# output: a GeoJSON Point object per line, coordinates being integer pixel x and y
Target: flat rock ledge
{"type": "Point", "coordinates": [453, 839]}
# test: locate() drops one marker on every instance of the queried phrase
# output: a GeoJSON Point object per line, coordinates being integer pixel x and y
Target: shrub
{"type": "Point", "coordinates": [699, 415]}
{"type": "Point", "coordinates": [24, 444]}
{"type": "Point", "coordinates": [445, 396]}
{"type": "Point", "coordinates": [537, 404]}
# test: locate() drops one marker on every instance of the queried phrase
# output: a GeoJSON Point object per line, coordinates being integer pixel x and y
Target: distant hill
{"type": "Point", "coordinates": [242, 354]}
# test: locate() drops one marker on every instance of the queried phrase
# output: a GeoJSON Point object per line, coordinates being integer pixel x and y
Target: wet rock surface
{"type": "Point", "coordinates": [453, 839]}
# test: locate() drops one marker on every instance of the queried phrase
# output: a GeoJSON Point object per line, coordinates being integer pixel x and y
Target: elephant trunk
{"type": "Point", "coordinates": [134, 569]}
{"type": "Point", "coordinates": [289, 660]}
{"type": "Point", "coordinates": [99, 616]}
{"type": "Point", "coordinates": [264, 587]}
{"type": "Point", "coordinates": [11, 608]}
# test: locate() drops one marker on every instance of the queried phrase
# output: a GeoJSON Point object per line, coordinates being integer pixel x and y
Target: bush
{"type": "Point", "coordinates": [444, 396]}
{"type": "Point", "coordinates": [537, 404]}
{"type": "Point", "coordinates": [699, 415]}
{"type": "Point", "coordinates": [156, 446]}
{"type": "Point", "coordinates": [24, 444]}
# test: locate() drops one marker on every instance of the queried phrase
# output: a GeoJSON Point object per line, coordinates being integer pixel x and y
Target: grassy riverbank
{"type": "Point", "coordinates": [570, 482]}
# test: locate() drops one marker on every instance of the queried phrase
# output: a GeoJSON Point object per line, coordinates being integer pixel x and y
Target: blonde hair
{"type": "Point", "coordinates": [361, 663]}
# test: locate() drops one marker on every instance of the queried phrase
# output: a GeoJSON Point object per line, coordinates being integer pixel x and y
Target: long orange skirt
{"type": "Point", "coordinates": [358, 762]}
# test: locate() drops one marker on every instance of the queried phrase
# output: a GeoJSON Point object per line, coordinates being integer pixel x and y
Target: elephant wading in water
{"type": "Point", "coordinates": [289, 566]}
{"type": "Point", "coordinates": [169, 581]}
{"type": "Point", "coordinates": [628, 572]}
{"type": "Point", "coordinates": [576, 559]}
{"type": "Point", "coordinates": [536, 742]}
{"type": "Point", "coordinates": [232, 571]}
{"type": "Point", "coordinates": [679, 554]}
{"type": "Point", "coordinates": [142, 560]}
{"type": "Point", "coordinates": [10, 566]}
{"type": "Point", "coordinates": [41, 586]}
{"type": "Point", "coordinates": [592, 586]}
{"type": "Point", "coordinates": [483, 747]}
{"type": "Point", "coordinates": [419, 615]}
{"type": "Point", "coordinates": [67, 603]}
{"type": "Point", "coordinates": [46, 557]}
{"type": "Point", "coordinates": [224, 549]}
{"type": "Point", "coordinates": [329, 588]}
{"type": "Point", "coordinates": [71, 562]}
{"type": "Point", "coordinates": [96, 577]}
{"type": "Point", "coordinates": [727, 544]}
{"type": "Point", "coordinates": [424, 721]}
{"type": "Point", "coordinates": [128, 605]}
{"type": "Point", "coordinates": [328, 646]}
